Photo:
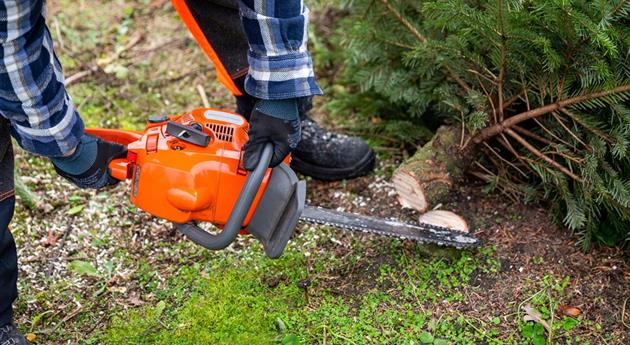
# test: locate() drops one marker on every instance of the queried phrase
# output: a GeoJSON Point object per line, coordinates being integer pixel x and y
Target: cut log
{"type": "Point", "coordinates": [446, 219]}
{"type": "Point", "coordinates": [428, 176]}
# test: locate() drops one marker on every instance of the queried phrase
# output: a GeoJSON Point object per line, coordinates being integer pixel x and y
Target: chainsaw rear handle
{"type": "Point", "coordinates": [239, 212]}
{"type": "Point", "coordinates": [118, 168]}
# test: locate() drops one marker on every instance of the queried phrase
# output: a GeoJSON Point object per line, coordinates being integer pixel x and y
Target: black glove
{"type": "Point", "coordinates": [88, 167]}
{"type": "Point", "coordinates": [275, 122]}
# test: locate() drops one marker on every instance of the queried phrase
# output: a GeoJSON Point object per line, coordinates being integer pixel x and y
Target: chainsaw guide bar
{"type": "Point", "coordinates": [420, 232]}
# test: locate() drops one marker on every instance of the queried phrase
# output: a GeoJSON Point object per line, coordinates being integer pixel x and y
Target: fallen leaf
{"type": "Point", "coordinates": [534, 315]}
{"type": "Point", "coordinates": [83, 268]}
{"type": "Point", "coordinates": [75, 210]}
{"type": "Point", "coordinates": [46, 207]}
{"type": "Point", "coordinates": [135, 301]}
{"type": "Point", "coordinates": [569, 310]}
{"type": "Point", "coordinates": [31, 337]}
{"type": "Point", "coordinates": [49, 240]}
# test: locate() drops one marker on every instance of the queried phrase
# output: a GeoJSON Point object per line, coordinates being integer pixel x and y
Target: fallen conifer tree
{"type": "Point", "coordinates": [534, 98]}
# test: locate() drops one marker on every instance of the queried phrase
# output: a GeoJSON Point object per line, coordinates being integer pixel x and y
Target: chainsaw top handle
{"type": "Point", "coordinates": [239, 212]}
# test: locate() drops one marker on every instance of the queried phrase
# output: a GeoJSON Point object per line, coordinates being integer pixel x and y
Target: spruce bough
{"type": "Point", "coordinates": [539, 90]}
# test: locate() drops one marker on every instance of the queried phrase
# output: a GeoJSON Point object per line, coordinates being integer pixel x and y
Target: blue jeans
{"type": "Point", "coordinates": [8, 262]}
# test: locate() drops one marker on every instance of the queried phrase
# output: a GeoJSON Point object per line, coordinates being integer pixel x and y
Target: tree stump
{"type": "Point", "coordinates": [429, 175]}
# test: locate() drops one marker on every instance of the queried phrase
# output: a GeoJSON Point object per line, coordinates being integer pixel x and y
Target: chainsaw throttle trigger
{"type": "Point", "coordinates": [120, 169]}
{"type": "Point", "coordinates": [239, 212]}
{"type": "Point", "coordinates": [188, 134]}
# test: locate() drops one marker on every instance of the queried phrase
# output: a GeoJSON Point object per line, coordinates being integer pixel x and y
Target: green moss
{"type": "Point", "coordinates": [235, 304]}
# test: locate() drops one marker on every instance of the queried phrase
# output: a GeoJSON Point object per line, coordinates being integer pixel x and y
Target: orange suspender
{"type": "Point", "coordinates": [191, 23]}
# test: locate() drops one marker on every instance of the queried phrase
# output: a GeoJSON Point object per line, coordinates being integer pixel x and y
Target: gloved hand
{"type": "Point", "coordinates": [88, 167]}
{"type": "Point", "coordinates": [276, 122]}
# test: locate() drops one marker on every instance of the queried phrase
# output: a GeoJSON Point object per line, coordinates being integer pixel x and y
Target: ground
{"type": "Point", "coordinates": [96, 270]}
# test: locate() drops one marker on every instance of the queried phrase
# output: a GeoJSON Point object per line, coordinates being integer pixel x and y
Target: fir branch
{"type": "Point", "coordinates": [596, 131]}
{"type": "Point", "coordinates": [423, 39]}
{"type": "Point", "coordinates": [404, 21]}
{"type": "Point", "coordinates": [491, 131]}
{"type": "Point", "coordinates": [541, 155]}
{"type": "Point", "coordinates": [617, 8]}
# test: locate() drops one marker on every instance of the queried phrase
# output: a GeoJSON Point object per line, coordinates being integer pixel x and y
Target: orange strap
{"type": "Point", "coordinates": [222, 74]}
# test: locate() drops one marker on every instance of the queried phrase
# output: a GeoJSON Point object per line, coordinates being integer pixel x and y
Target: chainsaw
{"type": "Point", "coordinates": [187, 168]}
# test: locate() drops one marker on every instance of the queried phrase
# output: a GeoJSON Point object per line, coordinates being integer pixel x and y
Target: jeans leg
{"type": "Point", "coordinates": [8, 262]}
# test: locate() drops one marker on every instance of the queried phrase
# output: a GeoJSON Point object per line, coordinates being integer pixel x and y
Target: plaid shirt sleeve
{"type": "Point", "coordinates": [32, 93]}
{"type": "Point", "coordinates": [280, 66]}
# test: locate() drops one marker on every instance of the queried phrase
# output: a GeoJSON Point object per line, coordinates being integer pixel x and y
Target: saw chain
{"type": "Point", "coordinates": [420, 232]}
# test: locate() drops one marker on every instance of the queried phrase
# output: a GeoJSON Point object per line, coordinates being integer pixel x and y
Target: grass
{"type": "Point", "coordinates": [235, 304]}
{"type": "Point", "coordinates": [119, 276]}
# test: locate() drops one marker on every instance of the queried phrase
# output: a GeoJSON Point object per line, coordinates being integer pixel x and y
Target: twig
{"type": "Point", "coordinates": [58, 249]}
{"type": "Point", "coordinates": [533, 135]}
{"type": "Point", "coordinates": [503, 62]}
{"type": "Point", "coordinates": [505, 190]}
{"type": "Point", "coordinates": [516, 119]}
{"type": "Point", "coordinates": [494, 109]}
{"type": "Point", "coordinates": [506, 143]}
{"type": "Point", "coordinates": [79, 75]}
{"type": "Point", "coordinates": [541, 155]}
{"type": "Point", "coordinates": [82, 74]}
{"type": "Point", "coordinates": [617, 8]}
{"type": "Point", "coordinates": [118, 52]}
{"type": "Point", "coordinates": [567, 156]}
{"type": "Point", "coordinates": [555, 116]}
{"type": "Point", "coordinates": [577, 119]}
{"type": "Point", "coordinates": [66, 319]}
{"type": "Point", "coordinates": [203, 95]}
{"type": "Point", "coordinates": [553, 135]}
{"type": "Point", "coordinates": [623, 313]}
{"type": "Point", "coordinates": [511, 100]}
{"type": "Point", "coordinates": [504, 160]}
{"type": "Point", "coordinates": [477, 73]}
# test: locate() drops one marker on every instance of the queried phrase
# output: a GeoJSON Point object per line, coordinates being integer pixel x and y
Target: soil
{"type": "Point", "coordinates": [528, 245]}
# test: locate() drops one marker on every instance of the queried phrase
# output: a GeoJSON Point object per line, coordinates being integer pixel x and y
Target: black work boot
{"type": "Point", "coordinates": [322, 154]}
{"type": "Point", "coordinates": [10, 336]}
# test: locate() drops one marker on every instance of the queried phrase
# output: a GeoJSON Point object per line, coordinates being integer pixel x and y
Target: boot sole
{"type": "Point", "coordinates": [361, 168]}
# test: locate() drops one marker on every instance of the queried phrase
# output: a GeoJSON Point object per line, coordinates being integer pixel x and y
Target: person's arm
{"type": "Point", "coordinates": [280, 66]}
{"type": "Point", "coordinates": [33, 98]}
{"type": "Point", "coordinates": [280, 71]}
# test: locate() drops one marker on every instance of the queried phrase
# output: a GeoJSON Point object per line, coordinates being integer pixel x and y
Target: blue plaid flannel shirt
{"type": "Point", "coordinates": [43, 118]}
{"type": "Point", "coordinates": [280, 66]}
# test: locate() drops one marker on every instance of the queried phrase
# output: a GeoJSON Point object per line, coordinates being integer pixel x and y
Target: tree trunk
{"type": "Point", "coordinates": [428, 176]}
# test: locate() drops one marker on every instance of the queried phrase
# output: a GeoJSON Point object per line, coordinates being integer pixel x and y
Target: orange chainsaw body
{"type": "Point", "coordinates": [180, 181]}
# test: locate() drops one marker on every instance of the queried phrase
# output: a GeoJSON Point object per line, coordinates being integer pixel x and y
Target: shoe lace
{"type": "Point", "coordinates": [313, 131]}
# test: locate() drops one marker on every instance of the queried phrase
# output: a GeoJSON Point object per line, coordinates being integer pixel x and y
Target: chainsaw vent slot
{"type": "Point", "coordinates": [222, 132]}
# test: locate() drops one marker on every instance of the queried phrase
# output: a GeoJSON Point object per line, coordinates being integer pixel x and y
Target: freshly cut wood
{"type": "Point", "coordinates": [430, 173]}
{"type": "Point", "coordinates": [446, 219]}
